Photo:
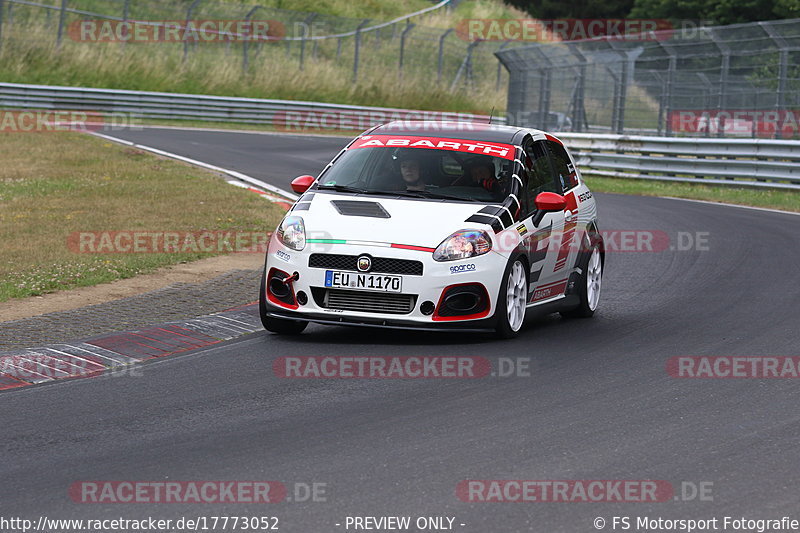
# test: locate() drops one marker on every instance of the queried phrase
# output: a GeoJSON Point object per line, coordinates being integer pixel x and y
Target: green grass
{"type": "Point", "coordinates": [29, 55]}
{"type": "Point", "coordinates": [751, 196]}
{"type": "Point", "coordinates": [53, 185]}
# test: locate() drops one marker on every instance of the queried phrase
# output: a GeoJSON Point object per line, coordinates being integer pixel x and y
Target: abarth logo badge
{"type": "Point", "coordinates": [364, 263]}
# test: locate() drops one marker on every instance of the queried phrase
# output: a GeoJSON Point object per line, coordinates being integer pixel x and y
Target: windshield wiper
{"type": "Point", "coordinates": [343, 188]}
{"type": "Point", "coordinates": [431, 194]}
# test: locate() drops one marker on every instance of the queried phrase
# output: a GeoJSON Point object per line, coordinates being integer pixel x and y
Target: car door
{"type": "Point", "coordinates": [566, 180]}
{"type": "Point", "coordinates": [540, 231]}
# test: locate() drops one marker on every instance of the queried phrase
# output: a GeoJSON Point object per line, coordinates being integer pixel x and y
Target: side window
{"type": "Point", "coordinates": [562, 166]}
{"type": "Point", "coordinates": [540, 175]}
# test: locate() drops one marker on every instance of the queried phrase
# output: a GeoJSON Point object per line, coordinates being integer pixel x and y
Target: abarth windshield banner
{"type": "Point", "coordinates": [505, 151]}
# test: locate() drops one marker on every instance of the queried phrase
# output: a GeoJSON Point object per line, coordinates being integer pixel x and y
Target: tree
{"type": "Point", "coordinates": [718, 12]}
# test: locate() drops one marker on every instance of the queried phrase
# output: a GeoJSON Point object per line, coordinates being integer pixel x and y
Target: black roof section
{"type": "Point", "coordinates": [469, 131]}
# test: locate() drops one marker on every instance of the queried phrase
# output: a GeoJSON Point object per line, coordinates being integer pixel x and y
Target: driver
{"type": "Point", "coordinates": [479, 171]}
{"type": "Point", "coordinates": [410, 170]}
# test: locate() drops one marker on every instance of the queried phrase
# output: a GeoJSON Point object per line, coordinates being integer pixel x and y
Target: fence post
{"type": "Point", "coordinates": [2, 6]}
{"type": "Point", "coordinates": [441, 54]}
{"type": "Point", "coordinates": [125, 16]}
{"type": "Point", "coordinates": [246, 43]}
{"type": "Point", "coordinates": [402, 47]}
{"type": "Point", "coordinates": [783, 71]}
{"type": "Point", "coordinates": [622, 96]}
{"type": "Point", "coordinates": [500, 66]}
{"type": "Point", "coordinates": [578, 106]}
{"type": "Point", "coordinates": [62, 17]}
{"type": "Point", "coordinates": [357, 46]}
{"type": "Point", "coordinates": [186, 26]}
{"type": "Point", "coordinates": [466, 65]}
{"type": "Point", "coordinates": [339, 48]}
{"type": "Point", "coordinates": [309, 19]}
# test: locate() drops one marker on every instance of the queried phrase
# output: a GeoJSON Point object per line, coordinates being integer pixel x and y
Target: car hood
{"type": "Point", "coordinates": [384, 219]}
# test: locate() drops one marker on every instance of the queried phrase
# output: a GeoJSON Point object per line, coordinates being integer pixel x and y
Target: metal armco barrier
{"type": "Point", "coordinates": [283, 114]}
{"type": "Point", "coordinates": [740, 162]}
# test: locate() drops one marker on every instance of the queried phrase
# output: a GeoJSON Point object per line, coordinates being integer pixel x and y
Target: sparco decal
{"type": "Point", "coordinates": [462, 268]}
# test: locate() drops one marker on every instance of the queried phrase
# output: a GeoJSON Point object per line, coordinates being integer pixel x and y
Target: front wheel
{"type": "Point", "coordinates": [280, 326]}
{"type": "Point", "coordinates": [589, 289]}
{"type": "Point", "coordinates": [512, 300]}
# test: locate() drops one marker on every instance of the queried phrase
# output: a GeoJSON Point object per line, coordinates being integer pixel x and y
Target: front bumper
{"type": "Point", "coordinates": [426, 306]}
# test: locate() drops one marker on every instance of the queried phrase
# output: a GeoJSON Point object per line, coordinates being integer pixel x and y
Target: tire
{"type": "Point", "coordinates": [590, 283]}
{"type": "Point", "coordinates": [281, 326]}
{"type": "Point", "coordinates": [512, 300]}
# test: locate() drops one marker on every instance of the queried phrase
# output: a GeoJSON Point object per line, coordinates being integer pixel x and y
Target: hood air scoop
{"type": "Point", "coordinates": [352, 208]}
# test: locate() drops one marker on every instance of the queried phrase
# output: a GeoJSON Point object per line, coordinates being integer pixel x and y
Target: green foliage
{"type": "Point", "coordinates": [719, 12]}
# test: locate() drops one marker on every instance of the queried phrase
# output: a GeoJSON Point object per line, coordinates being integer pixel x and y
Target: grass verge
{"type": "Point", "coordinates": [53, 185]}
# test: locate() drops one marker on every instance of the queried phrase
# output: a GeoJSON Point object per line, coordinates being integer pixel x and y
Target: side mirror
{"type": "Point", "coordinates": [550, 201]}
{"type": "Point", "coordinates": [302, 183]}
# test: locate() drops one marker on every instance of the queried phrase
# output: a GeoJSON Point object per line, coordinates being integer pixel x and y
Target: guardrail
{"type": "Point", "coordinates": [739, 162]}
{"type": "Point", "coordinates": [285, 114]}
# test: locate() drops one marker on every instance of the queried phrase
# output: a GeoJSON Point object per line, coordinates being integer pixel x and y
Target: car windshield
{"type": "Point", "coordinates": [446, 174]}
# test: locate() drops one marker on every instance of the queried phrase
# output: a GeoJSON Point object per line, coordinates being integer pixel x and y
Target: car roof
{"type": "Point", "coordinates": [470, 131]}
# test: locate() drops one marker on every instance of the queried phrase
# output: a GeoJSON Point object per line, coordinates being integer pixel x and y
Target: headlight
{"type": "Point", "coordinates": [292, 233]}
{"type": "Point", "coordinates": [462, 245]}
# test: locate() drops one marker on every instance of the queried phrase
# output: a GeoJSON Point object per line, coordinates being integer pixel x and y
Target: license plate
{"type": "Point", "coordinates": [369, 282]}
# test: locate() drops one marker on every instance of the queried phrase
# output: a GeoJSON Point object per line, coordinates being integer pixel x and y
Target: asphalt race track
{"type": "Point", "coordinates": [598, 403]}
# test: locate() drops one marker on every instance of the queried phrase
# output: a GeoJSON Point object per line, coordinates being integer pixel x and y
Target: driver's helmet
{"type": "Point", "coordinates": [479, 161]}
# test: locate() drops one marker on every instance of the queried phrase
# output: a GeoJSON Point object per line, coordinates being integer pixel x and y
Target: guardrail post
{"type": "Point", "coordinates": [357, 46]}
{"type": "Point", "coordinates": [402, 47]}
{"type": "Point", "coordinates": [62, 17]}
{"type": "Point", "coordinates": [441, 54]}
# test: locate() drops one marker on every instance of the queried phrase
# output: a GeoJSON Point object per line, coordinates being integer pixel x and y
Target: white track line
{"type": "Point", "coordinates": [732, 205]}
{"type": "Point", "coordinates": [254, 132]}
{"type": "Point", "coordinates": [238, 175]}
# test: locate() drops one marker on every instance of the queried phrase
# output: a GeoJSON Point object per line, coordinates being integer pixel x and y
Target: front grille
{"type": "Point", "coordinates": [371, 302]}
{"type": "Point", "coordinates": [380, 265]}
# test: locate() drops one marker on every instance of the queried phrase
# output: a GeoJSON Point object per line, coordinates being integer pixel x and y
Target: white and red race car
{"type": "Point", "coordinates": [430, 225]}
